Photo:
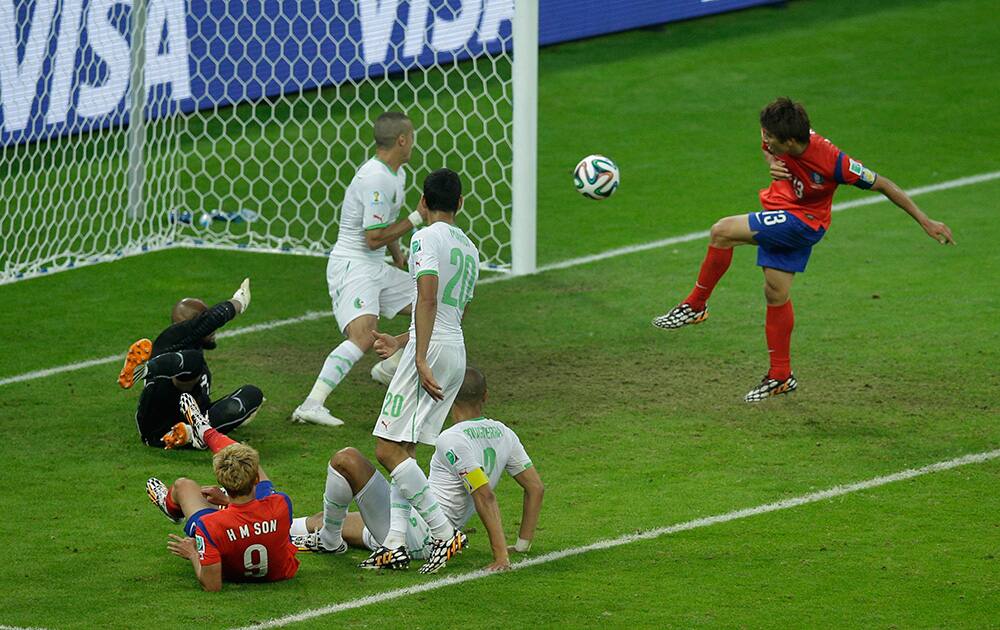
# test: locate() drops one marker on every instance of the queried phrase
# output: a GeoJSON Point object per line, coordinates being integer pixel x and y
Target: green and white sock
{"type": "Point", "coordinates": [416, 490]}
{"type": "Point", "coordinates": [399, 518]}
{"type": "Point", "coordinates": [338, 363]}
{"type": "Point", "coordinates": [336, 498]}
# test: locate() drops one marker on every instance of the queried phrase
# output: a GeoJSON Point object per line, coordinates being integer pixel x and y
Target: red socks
{"type": "Point", "coordinates": [172, 507]}
{"type": "Point", "coordinates": [780, 321]}
{"type": "Point", "coordinates": [712, 269]}
{"type": "Point", "coordinates": [217, 441]}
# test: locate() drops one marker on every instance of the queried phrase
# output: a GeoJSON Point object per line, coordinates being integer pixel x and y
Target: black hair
{"type": "Point", "coordinates": [442, 190]}
{"type": "Point", "coordinates": [785, 119]}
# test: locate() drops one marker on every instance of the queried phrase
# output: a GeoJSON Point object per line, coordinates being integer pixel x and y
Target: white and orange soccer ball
{"type": "Point", "coordinates": [596, 177]}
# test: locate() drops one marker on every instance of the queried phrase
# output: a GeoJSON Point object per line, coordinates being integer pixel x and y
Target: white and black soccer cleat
{"type": "Point", "coordinates": [444, 550]}
{"type": "Point", "coordinates": [157, 491]}
{"type": "Point", "coordinates": [771, 387]}
{"type": "Point", "coordinates": [385, 558]}
{"type": "Point", "coordinates": [681, 315]}
{"type": "Point", "coordinates": [313, 543]}
{"type": "Point", "coordinates": [197, 423]}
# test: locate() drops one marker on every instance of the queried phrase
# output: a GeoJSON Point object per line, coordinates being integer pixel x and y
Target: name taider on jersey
{"type": "Point", "coordinates": [469, 455]}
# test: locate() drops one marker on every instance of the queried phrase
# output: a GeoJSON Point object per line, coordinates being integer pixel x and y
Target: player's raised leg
{"type": "Point", "coordinates": [335, 368]}
{"type": "Point", "coordinates": [778, 329]}
{"type": "Point", "coordinates": [726, 234]}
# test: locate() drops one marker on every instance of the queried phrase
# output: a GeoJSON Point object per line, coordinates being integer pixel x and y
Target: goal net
{"type": "Point", "coordinates": [132, 126]}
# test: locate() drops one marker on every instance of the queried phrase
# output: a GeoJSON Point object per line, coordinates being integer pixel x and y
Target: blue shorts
{"type": "Point", "coordinates": [195, 520]}
{"type": "Point", "coordinates": [784, 241]}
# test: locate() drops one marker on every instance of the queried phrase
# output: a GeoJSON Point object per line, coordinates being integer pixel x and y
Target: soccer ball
{"type": "Point", "coordinates": [596, 177]}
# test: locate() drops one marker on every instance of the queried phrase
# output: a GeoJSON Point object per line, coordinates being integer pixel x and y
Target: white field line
{"type": "Point", "coordinates": [628, 539]}
{"type": "Point", "coordinates": [565, 264]}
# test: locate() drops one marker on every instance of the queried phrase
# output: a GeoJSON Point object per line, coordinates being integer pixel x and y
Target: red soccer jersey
{"type": "Point", "coordinates": [251, 539]}
{"type": "Point", "coordinates": [815, 176]}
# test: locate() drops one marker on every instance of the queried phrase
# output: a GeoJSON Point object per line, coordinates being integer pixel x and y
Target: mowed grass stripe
{"type": "Point", "coordinates": [565, 264]}
{"type": "Point", "coordinates": [813, 497]}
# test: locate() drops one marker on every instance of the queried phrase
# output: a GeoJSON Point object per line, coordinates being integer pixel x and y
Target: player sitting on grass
{"type": "Point", "coordinates": [444, 264]}
{"type": "Point", "coordinates": [247, 540]}
{"type": "Point", "coordinates": [806, 169]}
{"type": "Point", "coordinates": [362, 286]}
{"type": "Point", "coordinates": [468, 461]}
{"type": "Point", "coordinates": [175, 364]}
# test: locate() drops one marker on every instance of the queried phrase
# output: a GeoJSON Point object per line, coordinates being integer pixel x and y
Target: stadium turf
{"type": "Point", "coordinates": [895, 347]}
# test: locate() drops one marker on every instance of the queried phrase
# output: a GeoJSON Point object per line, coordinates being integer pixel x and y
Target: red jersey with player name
{"type": "Point", "coordinates": [815, 177]}
{"type": "Point", "coordinates": [251, 539]}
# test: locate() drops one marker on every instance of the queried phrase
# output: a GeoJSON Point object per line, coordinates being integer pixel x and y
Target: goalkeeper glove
{"type": "Point", "coordinates": [242, 295]}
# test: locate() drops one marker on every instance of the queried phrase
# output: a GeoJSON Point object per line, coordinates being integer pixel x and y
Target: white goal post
{"type": "Point", "coordinates": [129, 126]}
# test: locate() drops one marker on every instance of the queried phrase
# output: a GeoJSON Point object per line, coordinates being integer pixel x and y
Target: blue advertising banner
{"type": "Point", "coordinates": [65, 64]}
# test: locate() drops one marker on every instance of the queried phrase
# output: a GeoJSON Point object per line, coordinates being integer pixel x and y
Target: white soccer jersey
{"type": "Point", "coordinates": [372, 201]}
{"type": "Point", "coordinates": [483, 443]}
{"type": "Point", "coordinates": [445, 251]}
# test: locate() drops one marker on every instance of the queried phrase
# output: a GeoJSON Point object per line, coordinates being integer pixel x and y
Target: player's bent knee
{"type": "Point", "coordinates": [183, 484]}
{"type": "Point", "coordinates": [252, 396]}
{"type": "Point", "coordinates": [345, 458]}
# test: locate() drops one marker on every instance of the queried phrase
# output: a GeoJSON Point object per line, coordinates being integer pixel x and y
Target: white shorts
{"type": "Point", "coordinates": [376, 511]}
{"type": "Point", "coordinates": [409, 414]}
{"type": "Point", "coordinates": [366, 288]}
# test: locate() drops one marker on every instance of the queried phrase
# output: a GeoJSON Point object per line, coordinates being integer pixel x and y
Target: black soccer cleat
{"type": "Point", "coordinates": [771, 387]}
{"type": "Point", "coordinates": [385, 558]}
{"type": "Point", "coordinates": [681, 315]}
{"type": "Point", "coordinates": [444, 550]}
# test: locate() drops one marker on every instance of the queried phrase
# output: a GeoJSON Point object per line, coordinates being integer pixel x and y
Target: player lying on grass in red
{"type": "Point", "coordinates": [239, 536]}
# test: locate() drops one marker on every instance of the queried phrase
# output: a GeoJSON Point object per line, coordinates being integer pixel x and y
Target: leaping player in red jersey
{"type": "Point", "coordinates": [806, 169]}
{"type": "Point", "coordinates": [248, 540]}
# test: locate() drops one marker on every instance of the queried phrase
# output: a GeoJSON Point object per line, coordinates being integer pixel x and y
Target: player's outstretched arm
{"type": "Point", "coordinates": [214, 318]}
{"type": "Point", "coordinates": [534, 490]}
{"type": "Point", "coordinates": [489, 513]}
{"type": "Point", "coordinates": [423, 320]}
{"type": "Point", "coordinates": [209, 576]}
{"type": "Point", "coordinates": [935, 229]}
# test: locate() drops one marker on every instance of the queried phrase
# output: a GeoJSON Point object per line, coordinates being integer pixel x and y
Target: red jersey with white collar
{"type": "Point", "coordinates": [815, 177]}
{"type": "Point", "coordinates": [250, 539]}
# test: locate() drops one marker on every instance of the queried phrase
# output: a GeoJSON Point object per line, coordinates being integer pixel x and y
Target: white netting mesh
{"type": "Point", "coordinates": [267, 168]}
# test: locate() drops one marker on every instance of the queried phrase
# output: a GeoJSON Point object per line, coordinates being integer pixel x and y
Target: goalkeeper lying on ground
{"type": "Point", "coordinates": [175, 364]}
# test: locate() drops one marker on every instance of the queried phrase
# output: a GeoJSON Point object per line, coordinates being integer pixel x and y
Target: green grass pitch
{"type": "Point", "coordinates": [896, 347]}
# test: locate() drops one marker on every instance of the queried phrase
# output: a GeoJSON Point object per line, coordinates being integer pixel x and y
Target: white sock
{"type": "Point", "coordinates": [299, 527]}
{"type": "Point", "coordinates": [414, 487]}
{"type": "Point", "coordinates": [399, 518]}
{"type": "Point", "coordinates": [389, 365]}
{"type": "Point", "coordinates": [338, 363]}
{"type": "Point", "coordinates": [336, 498]}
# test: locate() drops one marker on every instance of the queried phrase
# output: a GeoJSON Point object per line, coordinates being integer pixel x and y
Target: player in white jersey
{"type": "Point", "coordinates": [445, 266]}
{"type": "Point", "coordinates": [362, 285]}
{"type": "Point", "coordinates": [467, 465]}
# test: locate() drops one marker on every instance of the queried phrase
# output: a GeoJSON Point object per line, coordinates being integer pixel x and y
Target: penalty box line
{"type": "Point", "coordinates": [813, 497]}
{"type": "Point", "coordinates": [564, 264]}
